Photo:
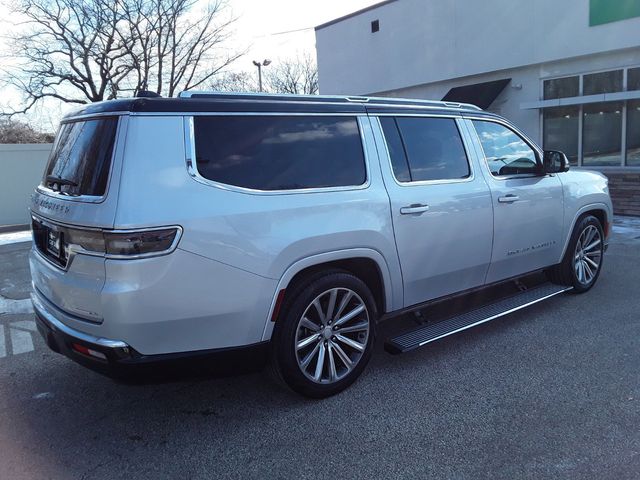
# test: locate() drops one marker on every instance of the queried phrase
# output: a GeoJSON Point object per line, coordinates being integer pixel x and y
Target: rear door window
{"type": "Point", "coordinates": [425, 148]}
{"type": "Point", "coordinates": [280, 152]}
{"type": "Point", "coordinates": [80, 159]}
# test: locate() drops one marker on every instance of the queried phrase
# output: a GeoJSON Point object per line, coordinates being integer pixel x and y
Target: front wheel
{"type": "Point", "coordinates": [324, 337]}
{"type": "Point", "coordinates": [582, 261]}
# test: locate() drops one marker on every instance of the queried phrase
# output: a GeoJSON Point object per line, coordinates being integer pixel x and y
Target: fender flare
{"type": "Point", "coordinates": [326, 257]}
{"type": "Point", "coordinates": [581, 211]}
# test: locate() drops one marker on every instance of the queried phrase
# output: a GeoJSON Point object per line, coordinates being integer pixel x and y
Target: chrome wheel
{"type": "Point", "coordinates": [332, 335]}
{"type": "Point", "coordinates": [588, 255]}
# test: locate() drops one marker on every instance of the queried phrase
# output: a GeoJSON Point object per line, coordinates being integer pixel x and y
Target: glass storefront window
{"type": "Point", "coordinates": [561, 88]}
{"type": "Point", "coordinates": [633, 79]}
{"type": "Point", "coordinates": [604, 82]}
{"type": "Point", "coordinates": [561, 131]}
{"type": "Point", "coordinates": [633, 133]}
{"type": "Point", "coordinates": [602, 134]}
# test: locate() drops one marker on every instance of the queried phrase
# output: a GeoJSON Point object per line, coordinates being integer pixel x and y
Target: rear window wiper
{"type": "Point", "coordinates": [60, 181]}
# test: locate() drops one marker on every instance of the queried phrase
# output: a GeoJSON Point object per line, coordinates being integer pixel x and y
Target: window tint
{"type": "Point", "coordinates": [396, 149]}
{"type": "Point", "coordinates": [560, 131]}
{"type": "Point", "coordinates": [506, 152]}
{"type": "Point", "coordinates": [81, 157]}
{"type": "Point", "coordinates": [561, 88]}
{"type": "Point", "coordinates": [432, 147]}
{"type": "Point", "coordinates": [280, 152]}
{"type": "Point", "coordinates": [633, 133]}
{"type": "Point", "coordinates": [602, 134]}
{"type": "Point", "coordinates": [633, 79]}
{"type": "Point", "coordinates": [604, 82]}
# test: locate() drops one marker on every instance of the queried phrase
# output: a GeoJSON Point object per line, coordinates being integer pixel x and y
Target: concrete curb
{"type": "Point", "coordinates": [14, 228]}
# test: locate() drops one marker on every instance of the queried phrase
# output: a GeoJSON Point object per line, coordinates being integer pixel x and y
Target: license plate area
{"type": "Point", "coordinates": [54, 240]}
{"type": "Point", "coordinates": [50, 242]}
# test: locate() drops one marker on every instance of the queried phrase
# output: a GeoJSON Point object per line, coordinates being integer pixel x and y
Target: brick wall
{"type": "Point", "coordinates": [625, 192]}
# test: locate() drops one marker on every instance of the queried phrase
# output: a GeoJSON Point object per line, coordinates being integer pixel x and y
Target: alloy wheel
{"type": "Point", "coordinates": [588, 254]}
{"type": "Point", "coordinates": [332, 335]}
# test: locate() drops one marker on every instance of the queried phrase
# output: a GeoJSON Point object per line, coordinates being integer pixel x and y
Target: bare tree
{"type": "Point", "coordinates": [68, 50]}
{"type": "Point", "coordinates": [175, 48]}
{"type": "Point", "coordinates": [234, 82]}
{"type": "Point", "coordinates": [298, 75]}
{"type": "Point", "coordinates": [18, 132]}
{"type": "Point", "coordinates": [81, 51]}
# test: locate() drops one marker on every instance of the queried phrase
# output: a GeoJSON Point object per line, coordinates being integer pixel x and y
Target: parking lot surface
{"type": "Point", "coordinates": [552, 391]}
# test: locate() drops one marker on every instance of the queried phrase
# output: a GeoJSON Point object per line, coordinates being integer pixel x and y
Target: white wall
{"type": "Point", "coordinates": [21, 169]}
{"type": "Point", "coordinates": [425, 41]}
{"type": "Point", "coordinates": [525, 86]}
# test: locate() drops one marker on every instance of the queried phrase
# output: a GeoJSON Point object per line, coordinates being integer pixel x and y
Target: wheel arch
{"type": "Point", "coordinates": [598, 210]}
{"type": "Point", "coordinates": [367, 264]}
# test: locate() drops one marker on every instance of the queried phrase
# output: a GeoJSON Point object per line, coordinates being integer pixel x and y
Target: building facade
{"type": "Point", "coordinates": [567, 73]}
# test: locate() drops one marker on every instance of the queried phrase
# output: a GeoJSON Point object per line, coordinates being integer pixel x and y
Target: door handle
{"type": "Point", "coordinates": [414, 208]}
{"type": "Point", "coordinates": [510, 198]}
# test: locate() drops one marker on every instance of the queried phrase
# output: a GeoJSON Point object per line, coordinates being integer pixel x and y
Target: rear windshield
{"type": "Point", "coordinates": [280, 152]}
{"type": "Point", "coordinates": [81, 157]}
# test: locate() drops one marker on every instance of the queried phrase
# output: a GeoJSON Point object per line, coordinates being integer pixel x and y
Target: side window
{"type": "Point", "coordinates": [505, 151]}
{"type": "Point", "coordinates": [280, 152]}
{"type": "Point", "coordinates": [396, 149]}
{"type": "Point", "coordinates": [425, 148]}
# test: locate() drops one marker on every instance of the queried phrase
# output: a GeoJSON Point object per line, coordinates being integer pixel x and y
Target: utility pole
{"type": "Point", "coordinates": [264, 63]}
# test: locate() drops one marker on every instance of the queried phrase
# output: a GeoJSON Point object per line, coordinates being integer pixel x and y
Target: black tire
{"type": "Point", "coordinates": [285, 357]}
{"type": "Point", "coordinates": [565, 272]}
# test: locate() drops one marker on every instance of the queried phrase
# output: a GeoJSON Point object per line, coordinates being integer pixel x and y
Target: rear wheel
{"type": "Point", "coordinates": [324, 336]}
{"type": "Point", "coordinates": [582, 261]}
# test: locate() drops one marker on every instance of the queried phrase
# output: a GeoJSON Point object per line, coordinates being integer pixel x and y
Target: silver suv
{"type": "Point", "coordinates": [289, 226]}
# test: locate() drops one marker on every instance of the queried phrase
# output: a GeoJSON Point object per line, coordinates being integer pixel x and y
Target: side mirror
{"type": "Point", "coordinates": [555, 162]}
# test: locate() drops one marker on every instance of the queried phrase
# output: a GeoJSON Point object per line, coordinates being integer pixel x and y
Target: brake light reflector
{"type": "Point", "coordinates": [278, 305]}
{"type": "Point", "coordinates": [87, 351]}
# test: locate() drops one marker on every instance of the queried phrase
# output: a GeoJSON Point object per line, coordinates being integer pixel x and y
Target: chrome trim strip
{"type": "Point", "coordinates": [493, 317]}
{"type": "Point", "coordinates": [470, 178]}
{"type": "Point", "coordinates": [192, 170]}
{"type": "Point", "coordinates": [252, 114]}
{"type": "Point", "coordinates": [277, 113]}
{"type": "Point", "coordinates": [42, 310]}
{"type": "Point", "coordinates": [402, 114]}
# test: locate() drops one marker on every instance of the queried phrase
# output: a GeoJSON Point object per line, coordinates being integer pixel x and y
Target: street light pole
{"type": "Point", "coordinates": [264, 63]}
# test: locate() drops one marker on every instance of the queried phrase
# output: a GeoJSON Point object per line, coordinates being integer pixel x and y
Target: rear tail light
{"type": "Point", "coordinates": [117, 243]}
{"type": "Point", "coordinates": [124, 244]}
{"type": "Point", "coordinates": [140, 243]}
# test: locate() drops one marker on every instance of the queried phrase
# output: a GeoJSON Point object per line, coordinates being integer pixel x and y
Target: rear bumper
{"type": "Point", "coordinates": [115, 358]}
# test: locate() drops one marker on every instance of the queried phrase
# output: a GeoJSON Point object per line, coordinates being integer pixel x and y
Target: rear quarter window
{"type": "Point", "coordinates": [280, 152]}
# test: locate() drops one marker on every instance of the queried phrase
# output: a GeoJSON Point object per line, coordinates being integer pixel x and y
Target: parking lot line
{"type": "Point", "coordinates": [20, 341]}
{"type": "Point", "coordinates": [3, 348]}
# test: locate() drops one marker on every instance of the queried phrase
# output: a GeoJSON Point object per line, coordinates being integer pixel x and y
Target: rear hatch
{"type": "Point", "coordinates": [76, 198]}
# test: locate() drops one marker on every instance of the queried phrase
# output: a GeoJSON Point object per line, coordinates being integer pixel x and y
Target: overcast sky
{"type": "Point", "coordinates": [262, 23]}
{"type": "Point", "coordinates": [273, 29]}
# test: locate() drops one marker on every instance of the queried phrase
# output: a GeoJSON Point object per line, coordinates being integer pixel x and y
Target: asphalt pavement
{"type": "Point", "coordinates": [550, 392]}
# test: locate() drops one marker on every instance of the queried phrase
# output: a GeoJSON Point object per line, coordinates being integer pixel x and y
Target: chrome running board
{"type": "Point", "coordinates": [426, 334]}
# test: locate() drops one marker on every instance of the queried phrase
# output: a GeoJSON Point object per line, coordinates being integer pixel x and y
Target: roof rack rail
{"type": "Point", "coordinates": [407, 102]}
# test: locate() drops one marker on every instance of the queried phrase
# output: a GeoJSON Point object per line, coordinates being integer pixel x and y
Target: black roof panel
{"type": "Point", "coordinates": [223, 102]}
